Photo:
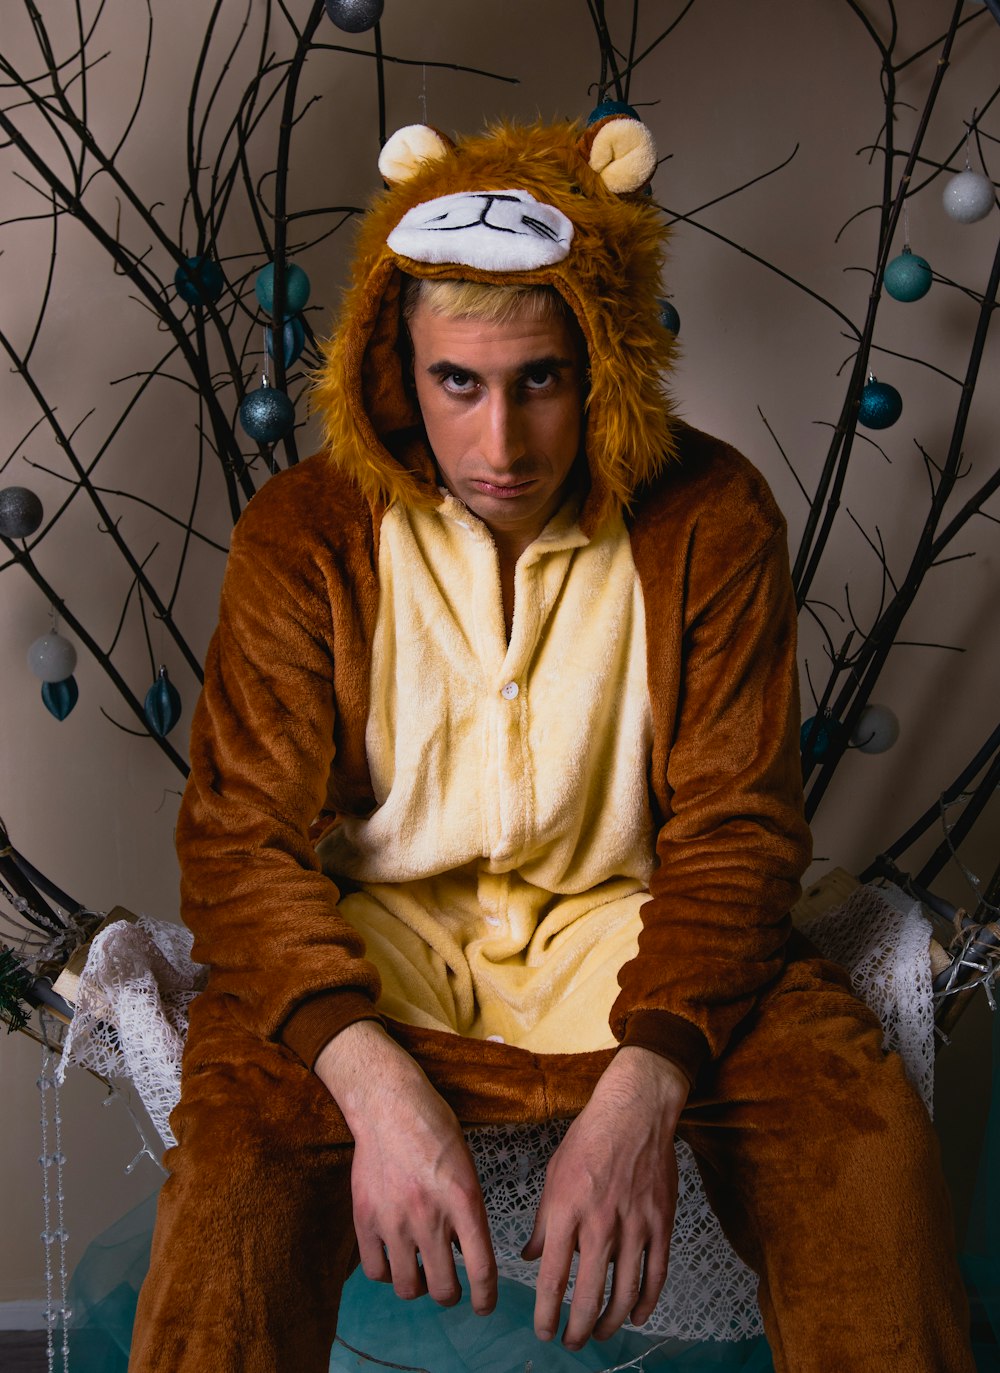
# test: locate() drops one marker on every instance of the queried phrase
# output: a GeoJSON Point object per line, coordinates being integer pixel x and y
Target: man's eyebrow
{"type": "Point", "coordinates": [552, 362]}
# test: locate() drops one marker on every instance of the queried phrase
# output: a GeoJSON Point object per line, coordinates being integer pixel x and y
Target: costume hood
{"type": "Point", "coordinates": [547, 205]}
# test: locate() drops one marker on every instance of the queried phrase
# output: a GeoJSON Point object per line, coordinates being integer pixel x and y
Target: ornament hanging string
{"type": "Point", "coordinates": [48, 1089]}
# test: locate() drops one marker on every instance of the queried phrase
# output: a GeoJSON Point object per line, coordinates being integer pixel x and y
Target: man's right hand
{"type": "Point", "coordinates": [414, 1187]}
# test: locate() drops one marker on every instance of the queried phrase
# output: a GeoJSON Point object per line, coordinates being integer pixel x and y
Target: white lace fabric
{"type": "Point", "coordinates": [131, 1019]}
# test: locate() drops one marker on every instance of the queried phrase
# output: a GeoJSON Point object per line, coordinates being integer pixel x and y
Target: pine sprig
{"type": "Point", "coordinates": [15, 982]}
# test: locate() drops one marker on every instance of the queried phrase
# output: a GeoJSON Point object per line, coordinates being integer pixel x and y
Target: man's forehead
{"type": "Point", "coordinates": [484, 345]}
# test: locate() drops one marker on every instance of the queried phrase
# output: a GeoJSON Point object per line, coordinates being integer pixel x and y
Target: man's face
{"type": "Point", "coordinates": [502, 405]}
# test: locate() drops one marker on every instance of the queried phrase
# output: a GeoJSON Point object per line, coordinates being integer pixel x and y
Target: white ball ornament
{"type": "Point", "coordinates": [876, 731]}
{"type": "Point", "coordinates": [52, 658]}
{"type": "Point", "coordinates": [969, 197]}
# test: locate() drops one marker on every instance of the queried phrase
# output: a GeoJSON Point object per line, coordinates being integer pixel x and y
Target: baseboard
{"type": "Point", "coordinates": [22, 1315]}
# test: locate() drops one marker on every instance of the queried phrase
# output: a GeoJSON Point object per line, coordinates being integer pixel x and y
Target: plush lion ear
{"type": "Point", "coordinates": [621, 151]}
{"type": "Point", "coordinates": [408, 149]}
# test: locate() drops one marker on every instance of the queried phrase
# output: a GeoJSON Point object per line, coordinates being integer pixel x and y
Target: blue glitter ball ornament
{"type": "Point", "coordinates": [908, 277]}
{"type": "Point", "coordinates": [821, 740]}
{"type": "Point", "coordinates": [881, 405]}
{"type": "Point", "coordinates": [59, 698]}
{"type": "Point", "coordinates": [200, 280]}
{"type": "Point", "coordinates": [267, 414]}
{"type": "Point", "coordinates": [20, 512]}
{"type": "Point", "coordinates": [669, 317]}
{"type": "Point", "coordinates": [296, 288]}
{"type": "Point", "coordinates": [293, 340]}
{"type": "Point", "coordinates": [354, 16]}
{"type": "Point", "coordinates": [162, 706]}
{"type": "Point", "coordinates": [607, 107]}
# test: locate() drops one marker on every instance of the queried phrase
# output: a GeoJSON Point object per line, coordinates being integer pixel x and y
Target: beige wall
{"type": "Point", "coordinates": [729, 95]}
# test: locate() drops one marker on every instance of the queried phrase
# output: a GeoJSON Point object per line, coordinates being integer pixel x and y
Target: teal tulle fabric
{"type": "Point", "coordinates": [423, 1336]}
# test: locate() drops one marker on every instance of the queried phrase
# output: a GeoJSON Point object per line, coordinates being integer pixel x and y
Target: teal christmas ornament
{"type": "Point", "coordinates": [52, 657]}
{"type": "Point", "coordinates": [267, 414]}
{"type": "Point", "coordinates": [199, 281]}
{"type": "Point", "coordinates": [821, 740]}
{"type": "Point", "coordinates": [968, 197]}
{"type": "Point", "coordinates": [20, 512]}
{"type": "Point", "coordinates": [59, 698]}
{"type": "Point", "coordinates": [354, 16]}
{"type": "Point", "coordinates": [881, 405]}
{"type": "Point", "coordinates": [162, 706]}
{"type": "Point", "coordinates": [669, 317]}
{"type": "Point", "coordinates": [293, 340]}
{"type": "Point", "coordinates": [296, 289]}
{"type": "Point", "coordinates": [876, 731]}
{"type": "Point", "coordinates": [609, 107]}
{"type": "Point", "coordinates": [908, 277]}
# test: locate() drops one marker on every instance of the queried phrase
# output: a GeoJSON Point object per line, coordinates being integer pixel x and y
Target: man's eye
{"type": "Point", "coordinates": [460, 382]}
{"type": "Point", "coordinates": [539, 378]}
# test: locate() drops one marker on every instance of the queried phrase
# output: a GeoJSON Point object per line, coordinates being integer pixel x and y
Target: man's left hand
{"type": "Point", "coordinates": [610, 1193]}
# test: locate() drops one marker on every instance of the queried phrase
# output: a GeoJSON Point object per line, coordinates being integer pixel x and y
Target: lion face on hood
{"type": "Point", "coordinates": [536, 205]}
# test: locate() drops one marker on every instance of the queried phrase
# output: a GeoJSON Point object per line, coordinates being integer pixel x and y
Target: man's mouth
{"type": "Point", "coordinates": [505, 490]}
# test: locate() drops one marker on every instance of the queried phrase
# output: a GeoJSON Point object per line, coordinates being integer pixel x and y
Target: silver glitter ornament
{"type": "Point", "coordinates": [354, 16]}
{"type": "Point", "coordinates": [20, 512]}
{"type": "Point", "coordinates": [52, 657]}
{"type": "Point", "coordinates": [876, 731]}
{"type": "Point", "coordinates": [968, 197]}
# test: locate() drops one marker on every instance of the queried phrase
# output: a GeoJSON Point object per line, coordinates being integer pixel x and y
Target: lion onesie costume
{"type": "Point", "coordinates": [529, 851]}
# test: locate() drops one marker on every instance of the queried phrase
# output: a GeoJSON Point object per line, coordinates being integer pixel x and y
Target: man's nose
{"type": "Point", "coordinates": [502, 434]}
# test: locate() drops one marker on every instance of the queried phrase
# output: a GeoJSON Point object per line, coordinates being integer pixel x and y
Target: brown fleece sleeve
{"type": "Point", "coordinates": [264, 917]}
{"type": "Point", "coordinates": [735, 842]}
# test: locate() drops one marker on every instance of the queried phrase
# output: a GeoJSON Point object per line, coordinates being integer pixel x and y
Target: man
{"type": "Point", "coordinates": [526, 643]}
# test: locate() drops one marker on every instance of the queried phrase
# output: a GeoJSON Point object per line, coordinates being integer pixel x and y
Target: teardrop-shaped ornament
{"type": "Point", "coordinates": [162, 706]}
{"type": "Point", "coordinates": [293, 340]}
{"type": "Point", "coordinates": [59, 698]}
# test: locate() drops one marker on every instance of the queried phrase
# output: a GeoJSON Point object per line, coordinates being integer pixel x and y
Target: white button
{"type": "Point", "coordinates": [509, 691]}
{"type": "Point", "coordinates": [495, 1039]}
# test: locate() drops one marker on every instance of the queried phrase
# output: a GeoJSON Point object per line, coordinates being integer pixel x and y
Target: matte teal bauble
{"type": "Point", "coordinates": [821, 740]}
{"type": "Point", "coordinates": [20, 512]}
{"type": "Point", "coordinates": [162, 706]}
{"type": "Point", "coordinates": [354, 16]}
{"type": "Point", "coordinates": [200, 280]}
{"type": "Point", "coordinates": [59, 698]}
{"type": "Point", "coordinates": [293, 340]}
{"type": "Point", "coordinates": [876, 731]}
{"type": "Point", "coordinates": [267, 414]}
{"type": "Point", "coordinates": [669, 317]}
{"type": "Point", "coordinates": [608, 107]}
{"type": "Point", "coordinates": [881, 405]}
{"type": "Point", "coordinates": [969, 197]}
{"type": "Point", "coordinates": [52, 657]}
{"type": "Point", "coordinates": [908, 277]}
{"type": "Point", "coordinates": [296, 288]}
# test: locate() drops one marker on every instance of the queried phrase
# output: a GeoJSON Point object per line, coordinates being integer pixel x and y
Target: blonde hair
{"type": "Point", "coordinates": [493, 303]}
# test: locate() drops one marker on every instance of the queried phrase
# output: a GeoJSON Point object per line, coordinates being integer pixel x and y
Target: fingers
{"type": "Point", "coordinates": [557, 1250]}
{"type": "Point", "coordinates": [416, 1266]}
{"type": "Point", "coordinates": [481, 1268]}
{"type": "Point", "coordinates": [588, 1297]}
{"type": "Point", "coordinates": [639, 1273]}
{"type": "Point", "coordinates": [625, 1289]}
{"type": "Point", "coordinates": [374, 1263]}
{"type": "Point", "coordinates": [654, 1275]}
